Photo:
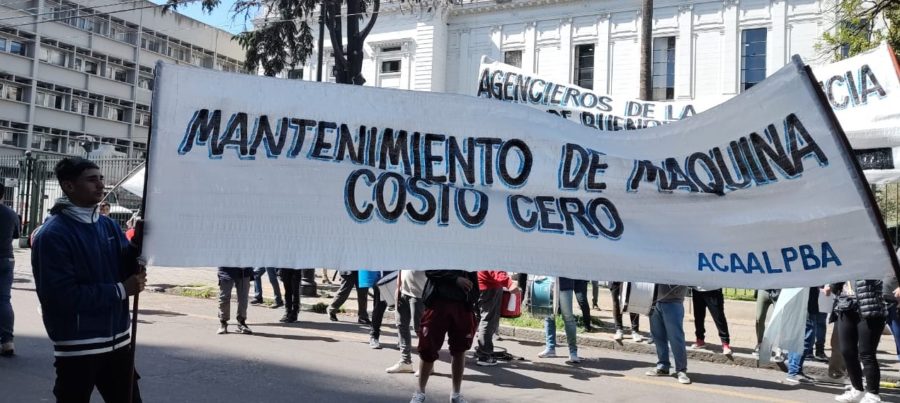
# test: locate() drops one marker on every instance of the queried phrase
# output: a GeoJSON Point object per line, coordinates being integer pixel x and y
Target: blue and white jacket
{"type": "Point", "coordinates": [79, 259]}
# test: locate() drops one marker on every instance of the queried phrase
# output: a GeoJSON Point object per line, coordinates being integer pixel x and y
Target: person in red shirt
{"type": "Point", "coordinates": [491, 284]}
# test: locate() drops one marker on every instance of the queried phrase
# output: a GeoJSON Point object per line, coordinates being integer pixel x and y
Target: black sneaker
{"type": "Point", "coordinates": [285, 318]}
{"type": "Point", "coordinates": [277, 304]}
{"type": "Point", "coordinates": [256, 301]}
{"type": "Point", "coordinates": [332, 314]}
{"type": "Point", "coordinates": [364, 321]}
{"type": "Point", "coordinates": [243, 329]}
{"type": "Point", "coordinates": [821, 357]}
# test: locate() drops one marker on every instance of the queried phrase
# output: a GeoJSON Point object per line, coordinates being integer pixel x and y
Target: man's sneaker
{"type": "Point", "coordinates": [683, 378]}
{"type": "Point", "coordinates": [574, 359]}
{"type": "Point", "coordinates": [851, 396]}
{"type": "Point", "coordinates": [726, 349]}
{"type": "Point", "coordinates": [548, 353]}
{"type": "Point", "coordinates": [619, 335]}
{"type": "Point", "coordinates": [277, 304]}
{"type": "Point", "coordinates": [243, 329]}
{"type": "Point", "coordinates": [699, 344]}
{"type": "Point", "coordinates": [870, 398]}
{"type": "Point", "coordinates": [285, 317]}
{"type": "Point", "coordinates": [223, 328]}
{"type": "Point", "coordinates": [821, 357]}
{"type": "Point", "coordinates": [7, 349]}
{"type": "Point", "coordinates": [486, 361]}
{"type": "Point", "coordinates": [255, 301]}
{"type": "Point", "coordinates": [418, 397]}
{"type": "Point", "coordinates": [657, 372]}
{"type": "Point", "coordinates": [332, 314]}
{"type": "Point", "coordinates": [797, 379]}
{"type": "Point", "coordinates": [400, 368]}
{"type": "Point", "coordinates": [364, 321]}
{"type": "Point", "coordinates": [374, 343]}
{"type": "Point", "coordinates": [457, 398]}
{"type": "Point", "coordinates": [636, 337]}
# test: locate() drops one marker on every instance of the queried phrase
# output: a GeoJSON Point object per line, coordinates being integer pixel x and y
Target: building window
{"type": "Point", "coordinates": [17, 48]}
{"type": "Point", "coordinates": [390, 66]}
{"type": "Point", "coordinates": [295, 74]}
{"type": "Point", "coordinates": [49, 100]}
{"type": "Point", "coordinates": [389, 74]}
{"type": "Point", "coordinates": [114, 113]}
{"type": "Point", "coordinates": [145, 83]}
{"type": "Point", "coordinates": [54, 56]}
{"type": "Point", "coordinates": [141, 118]}
{"type": "Point", "coordinates": [753, 57]}
{"type": "Point", "coordinates": [12, 92]}
{"type": "Point", "coordinates": [83, 106]}
{"type": "Point", "coordinates": [513, 58]}
{"type": "Point", "coordinates": [584, 66]}
{"type": "Point", "coordinates": [116, 73]}
{"type": "Point", "coordinates": [664, 68]}
{"type": "Point", "coordinates": [2, 44]}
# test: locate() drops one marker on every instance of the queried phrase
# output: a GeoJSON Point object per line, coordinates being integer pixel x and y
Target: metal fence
{"type": "Point", "coordinates": [31, 187]}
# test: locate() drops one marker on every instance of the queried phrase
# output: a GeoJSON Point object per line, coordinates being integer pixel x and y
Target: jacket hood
{"type": "Point", "coordinates": [87, 215]}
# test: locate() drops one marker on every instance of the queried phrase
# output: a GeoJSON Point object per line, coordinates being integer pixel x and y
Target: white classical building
{"type": "Point", "coordinates": [702, 48]}
{"type": "Point", "coordinates": [77, 71]}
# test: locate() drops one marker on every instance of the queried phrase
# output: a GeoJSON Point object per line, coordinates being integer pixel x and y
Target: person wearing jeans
{"type": "Point", "coordinates": [581, 298]}
{"type": "Point", "coordinates": [615, 289]}
{"type": "Point", "coordinates": [667, 330]}
{"type": "Point", "coordinates": [566, 295]}
{"type": "Point", "coordinates": [713, 300]}
{"type": "Point", "coordinates": [257, 286]}
{"type": "Point", "coordinates": [795, 359]}
{"type": "Point", "coordinates": [409, 311]}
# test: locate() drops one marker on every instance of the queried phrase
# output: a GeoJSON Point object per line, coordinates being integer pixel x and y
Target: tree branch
{"type": "Point", "coordinates": [365, 32]}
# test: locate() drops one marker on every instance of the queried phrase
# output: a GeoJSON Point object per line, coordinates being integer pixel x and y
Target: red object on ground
{"type": "Point", "coordinates": [511, 304]}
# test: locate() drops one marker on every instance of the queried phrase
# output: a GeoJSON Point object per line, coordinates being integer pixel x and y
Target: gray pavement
{"type": "Point", "coordinates": [181, 359]}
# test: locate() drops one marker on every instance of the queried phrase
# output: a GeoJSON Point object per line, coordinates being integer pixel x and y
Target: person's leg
{"type": "Point", "coordinates": [715, 302]}
{"type": "Point", "coordinates": [459, 339]}
{"type": "Point", "coordinates": [75, 379]}
{"type": "Point", "coordinates": [821, 331]}
{"type": "Point", "coordinates": [595, 292]}
{"type": "Point", "coordinates": [377, 314]}
{"type": "Point", "coordinates": [7, 316]}
{"type": "Point", "coordinates": [273, 279]}
{"type": "Point", "coordinates": [614, 289]}
{"type": "Point", "coordinates": [869, 335]}
{"type": "Point", "coordinates": [673, 320]}
{"type": "Point", "coordinates": [418, 307]}
{"type": "Point", "coordinates": [257, 284]}
{"type": "Point", "coordinates": [431, 336]}
{"type": "Point", "coordinates": [796, 359]}
{"type": "Point", "coordinates": [362, 302]}
{"type": "Point", "coordinates": [403, 315]}
{"type": "Point", "coordinates": [660, 338]}
{"type": "Point", "coordinates": [225, 286]}
{"type": "Point", "coordinates": [635, 322]}
{"type": "Point", "coordinates": [242, 287]}
{"type": "Point", "coordinates": [295, 288]}
{"type": "Point", "coordinates": [836, 366]}
{"type": "Point", "coordinates": [570, 326]}
{"type": "Point", "coordinates": [550, 333]}
{"type": "Point", "coordinates": [489, 303]}
{"type": "Point", "coordinates": [287, 277]}
{"type": "Point", "coordinates": [809, 335]}
{"type": "Point", "coordinates": [113, 377]}
{"type": "Point", "coordinates": [762, 311]}
{"type": "Point", "coordinates": [581, 298]}
{"type": "Point", "coordinates": [698, 302]}
{"type": "Point", "coordinates": [849, 335]}
{"type": "Point", "coordinates": [894, 323]}
{"type": "Point", "coordinates": [348, 283]}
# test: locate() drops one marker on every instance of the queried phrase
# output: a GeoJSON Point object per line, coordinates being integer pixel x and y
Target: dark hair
{"type": "Point", "coordinates": [2, 190]}
{"type": "Point", "coordinates": [104, 203]}
{"type": "Point", "coordinates": [70, 168]}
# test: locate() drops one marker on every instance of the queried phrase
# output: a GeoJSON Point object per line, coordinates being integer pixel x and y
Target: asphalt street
{"type": "Point", "coordinates": [181, 359]}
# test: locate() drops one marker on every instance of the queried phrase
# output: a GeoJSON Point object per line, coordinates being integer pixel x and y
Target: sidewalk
{"type": "Point", "coordinates": [741, 319]}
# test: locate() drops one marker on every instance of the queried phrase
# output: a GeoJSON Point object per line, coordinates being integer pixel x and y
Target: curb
{"type": "Point", "coordinates": [602, 340]}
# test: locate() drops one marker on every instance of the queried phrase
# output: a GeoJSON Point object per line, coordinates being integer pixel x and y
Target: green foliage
{"type": "Point", "coordinates": [862, 25]}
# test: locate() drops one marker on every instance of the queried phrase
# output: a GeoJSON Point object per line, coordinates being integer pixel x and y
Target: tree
{"type": "Point", "coordinates": [283, 36]}
{"type": "Point", "coordinates": [862, 25]}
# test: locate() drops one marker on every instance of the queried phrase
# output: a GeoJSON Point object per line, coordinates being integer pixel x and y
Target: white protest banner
{"type": "Point", "coordinates": [864, 92]}
{"type": "Point", "coordinates": [759, 192]}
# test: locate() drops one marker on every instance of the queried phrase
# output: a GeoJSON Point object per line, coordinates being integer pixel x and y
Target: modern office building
{"type": "Point", "coordinates": [79, 73]}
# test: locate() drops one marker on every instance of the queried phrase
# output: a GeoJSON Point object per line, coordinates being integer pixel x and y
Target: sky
{"type": "Point", "coordinates": [220, 17]}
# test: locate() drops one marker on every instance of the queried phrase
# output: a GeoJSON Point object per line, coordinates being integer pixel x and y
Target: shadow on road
{"type": "Point", "coordinates": [295, 337]}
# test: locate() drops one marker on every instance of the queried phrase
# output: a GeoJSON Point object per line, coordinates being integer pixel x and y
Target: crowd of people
{"type": "Point", "coordinates": [85, 269]}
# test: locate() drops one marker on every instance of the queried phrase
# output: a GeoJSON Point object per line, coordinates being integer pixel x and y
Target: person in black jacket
{"type": "Point", "coordinates": [860, 314]}
{"type": "Point", "coordinates": [450, 297]}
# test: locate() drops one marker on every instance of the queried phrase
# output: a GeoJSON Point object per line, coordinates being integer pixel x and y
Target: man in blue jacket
{"type": "Point", "coordinates": [85, 270]}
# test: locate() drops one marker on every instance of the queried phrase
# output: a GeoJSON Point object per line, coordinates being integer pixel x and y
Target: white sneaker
{"type": "Point", "coordinates": [870, 398]}
{"type": "Point", "coordinates": [637, 337]}
{"type": "Point", "coordinates": [574, 359]}
{"type": "Point", "coordinates": [7, 349]}
{"type": "Point", "coordinates": [374, 343]}
{"type": "Point", "coordinates": [457, 398]}
{"type": "Point", "coordinates": [851, 396]}
{"type": "Point", "coordinates": [401, 368]}
{"type": "Point", "coordinates": [548, 353]}
{"type": "Point", "coordinates": [619, 335]}
{"type": "Point", "coordinates": [683, 378]}
{"type": "Point", "coordinates": [418, 397]}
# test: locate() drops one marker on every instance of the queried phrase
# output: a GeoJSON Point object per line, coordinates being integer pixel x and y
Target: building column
{"type": "Point", "coordinates": [496, 43]}
{"type": "Point", "coordinates": [565, 44]}
{"type": "Point", "coordinates": [430, 54]}
{"type": "Point", "coordinates": [731, 49]}
{"type": "Point", "coordinates": [777, 38]}
{"type": "Point", "coordinates": [528, 55]}
{"type": "Point", "coordinates": [601, 55]}
{"type": "Point", "coordinates": [684, 51]}
{"type": "Point", "coordinates": [464, 76]}
{"type": "Point", "coordinates": [35, 62]}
